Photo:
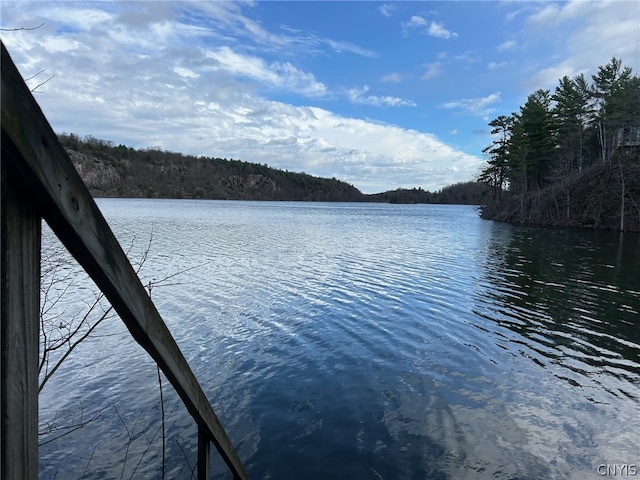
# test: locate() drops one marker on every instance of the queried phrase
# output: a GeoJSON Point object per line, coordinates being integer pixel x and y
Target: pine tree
{"type": "Point", "coordinates": [570, 115]}
{"type": "Point", "coordinates": [608, 89]}
{"type": "Point", "coordinates": [537, 124]}
{"type": "Point", "coordinates": [495, 174]}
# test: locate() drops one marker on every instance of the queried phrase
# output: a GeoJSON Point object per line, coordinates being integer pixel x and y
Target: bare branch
{"type": "Point", "coordinates": [35, 89]}
{"type": "Point", "coordinates": [89, 461]}
{"type": "Point", "coordinates": [70, 428]}
{"type": "Point", "coordinates": [184, 454]}
{"type": "Point", "coordinates": [19, 29]}
{"type": "Point", "coordinates": [130, 441]}
{"type": "Point", "coordinates": [162, 282]}
{"type": "Point", "coordinates": [68, 317]}
{"type": "Point", "coordinates": [72, 348]}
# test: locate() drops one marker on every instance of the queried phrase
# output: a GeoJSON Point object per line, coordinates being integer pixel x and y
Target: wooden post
{"type": "Point", "coordinates": [41, 168]}
{"type": "Point", "coordinates": [204, 454]}
{"type": "Point", "coordinates": [20, 293]}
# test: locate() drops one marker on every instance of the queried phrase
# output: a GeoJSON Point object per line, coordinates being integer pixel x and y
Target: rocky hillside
{"type": "Point", "coordinates": [120, 171]}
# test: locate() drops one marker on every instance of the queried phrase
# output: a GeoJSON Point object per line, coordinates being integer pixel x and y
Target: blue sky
{"type": "Point", "coordinates": [379, 94]}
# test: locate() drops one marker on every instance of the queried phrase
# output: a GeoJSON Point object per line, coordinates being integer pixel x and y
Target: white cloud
{"type": "Point", "coordinates": [386, 9]}
{"type": "Point", "coordinates": [166, 83]}
{"type": "Point", "coordinates": [415, 21]}
{"type": "Point", "coordinates": [508, 45]}
{"type": "Point", "coordinates": [372, 156]}
{"type": "Point", "coordinates": [467, 57]}
{"type": "Point", "coordinates": [277, 74]}
{"type": "Point", "coordinates": [523, 9]}
{"type": "Point", "coordinates": [432, 70]}
{"type": "Point", "coordinates": [591, 33]}
{"type": "Point", "coordinates": [393, 77]}
{"type": "Point", "coordinates": [407, 157]}
{"type": "Point", "coordinates": [548, 77]}
{"type": "Point", "coordinates": [296, 80]}
{"type": "Point", "coordinates": [359, 95]}
{"type": "Point", "coordinates": [346, 47]}
{"type": "Point", "coordinates": [496, 65]}
{"type": "Point", "coordinates": [81, 19]}
{"type": "Point", "coordinates": [227, 19]}
{"type": "Point", "coordinates": [477, 106]}
{"type": "Point", "coordinates": [243, 65]}
{"type": "Point", "coordinates": [61, 45]}
{"type": "Point", "coordinates": [433, 29]}
{"type": "Point", "coordinates": [437, 30]}
{"type": "Point", "coordinates": [185, 72]}
{"type": "Point", "coordinates": [552, 14]}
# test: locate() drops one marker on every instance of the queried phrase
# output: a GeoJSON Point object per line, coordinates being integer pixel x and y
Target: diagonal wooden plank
{"type": "Point", "coordinates": [60, 196]}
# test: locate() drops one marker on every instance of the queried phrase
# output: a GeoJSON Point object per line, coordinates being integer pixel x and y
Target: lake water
{"type": "Point", "coordinates": [364, 341]}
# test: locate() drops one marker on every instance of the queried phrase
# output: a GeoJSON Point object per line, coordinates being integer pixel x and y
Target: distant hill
{"type": "Point", "coordinates": [120, 171]}
{"type": "Point", "coordinates": [465, 193]}
{"type": "Point", "coordinates": [111, 170]}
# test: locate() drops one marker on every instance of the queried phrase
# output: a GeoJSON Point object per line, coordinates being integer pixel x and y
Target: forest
{"type": "Point", "coordinates": [569, 157]}
{"type": "Point", "coordinates": [111, 170]}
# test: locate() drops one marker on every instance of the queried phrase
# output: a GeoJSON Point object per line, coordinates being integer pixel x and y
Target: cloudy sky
{"type": "Point", "coordinates": [379, 94]}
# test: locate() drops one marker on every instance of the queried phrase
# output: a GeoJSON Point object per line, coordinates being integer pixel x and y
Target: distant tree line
{"type": "Point", "coordinates": [111, 170]}
{"type": "Point", "coordinates": [571, 156]}
{"type": "Point", "coordinates": [463, 193]}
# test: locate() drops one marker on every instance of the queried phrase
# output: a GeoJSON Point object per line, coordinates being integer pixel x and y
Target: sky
{"type": "Point", "coordinates": [382, 95]}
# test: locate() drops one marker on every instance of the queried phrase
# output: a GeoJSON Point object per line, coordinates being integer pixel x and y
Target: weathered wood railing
{"type": "Point", "coordinates": [39, 181]}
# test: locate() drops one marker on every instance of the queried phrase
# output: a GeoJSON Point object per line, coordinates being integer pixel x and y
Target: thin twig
{"type": "Point", "coordinates": [35, 89]}
{"type": "Point", "coordinates": [184, 454]}
{"type": "Point", "coordinates": [130, 441]}
{"type": "Point", "coordinates": [72, 348]}
{"type": "Point", "coordinates": [70, 428]}
{"type": "Point", "coordinates": [84, 474]}
{"type": "Point", "coordinates": [21, 28]}
{"type": "Point", "coordinates": [34, 76]}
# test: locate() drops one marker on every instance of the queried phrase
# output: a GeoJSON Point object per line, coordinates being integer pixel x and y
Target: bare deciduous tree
{"type": "Point", "coordinates": [71, 312]}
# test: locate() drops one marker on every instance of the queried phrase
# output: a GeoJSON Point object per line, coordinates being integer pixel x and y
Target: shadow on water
{"type": "Point", "coordinates": [572, 298]}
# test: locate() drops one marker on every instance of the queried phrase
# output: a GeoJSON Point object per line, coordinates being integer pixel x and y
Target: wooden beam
{"type": "Point", "coordinates": [54, 185]}
{"type": "Point", "coordinates": [20, 293]}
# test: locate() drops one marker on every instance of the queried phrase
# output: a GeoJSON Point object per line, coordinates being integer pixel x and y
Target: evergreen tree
{"type": "Point", "coordinates": [608, 90]}
{"type": "Point", "coordinates": [570, 115]}
{"type": "Point", "coordinates": [537, 124]}
{"type": "Point", "coordinates": [518, 154]}
{"type": "Point", "coordinates": [495, 174]}
{"type": "Point", "coordinates": [553, 137]}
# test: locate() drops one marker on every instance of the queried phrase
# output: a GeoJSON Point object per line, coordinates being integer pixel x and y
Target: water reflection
{"type": "Point", "coordinates": [574, 297]}
{"type": "Point", "coordinates": [385, 342]}
{"type": "Point", "coordinates": [568, 302]}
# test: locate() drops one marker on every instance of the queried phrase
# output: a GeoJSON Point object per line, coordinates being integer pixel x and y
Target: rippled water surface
{"type": "Point", "coordinates": [342, 341]}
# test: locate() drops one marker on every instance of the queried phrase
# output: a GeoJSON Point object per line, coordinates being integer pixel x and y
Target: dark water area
{"type": "Point", "coordinates": [369, 341]}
